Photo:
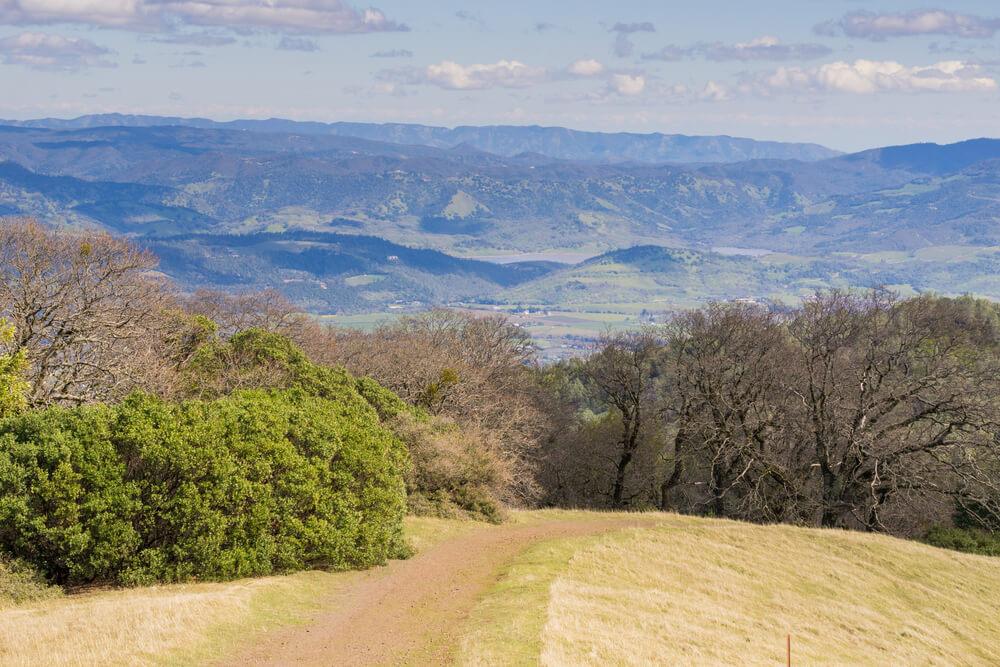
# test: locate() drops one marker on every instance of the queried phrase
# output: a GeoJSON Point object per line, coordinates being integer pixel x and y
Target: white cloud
{"type": "Point", "coordinates": [588, 67]}
{"type": "Point", "coordinates": [106, 13]}
{"type": "Point", "coordinates": [714, 92]}
{"type": "Point", "coordinates": [764, 48]}
{"type": "Point", "coordinates": [879, 26]}
{"type": "Point", "coordinates": [863, 77]}
{"type": "Point", "coordinates": [44, 51]}
{"type": "Point", "coordinates": [628, 84]}
{"type": "Point", "coordinates": [306, 16]}
{"type": "Point", "coordinates": [501, 74]}
{"type": "Point", "coordinates": [761, 48]}
{"type": "Point", "coordinates": [314, 16]}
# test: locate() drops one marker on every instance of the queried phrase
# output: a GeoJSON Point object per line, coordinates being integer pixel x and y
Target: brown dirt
{"type": "Point", "coordinates": [412, 612]}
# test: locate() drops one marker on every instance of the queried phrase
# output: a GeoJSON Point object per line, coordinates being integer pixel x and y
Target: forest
{"type": "Point", "coordinates": [150, 434]}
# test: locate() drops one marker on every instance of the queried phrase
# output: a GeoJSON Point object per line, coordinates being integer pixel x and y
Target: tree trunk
{"type": "Point", "coordinates": [629, 443]}
{"type": "Point", "coordinates": [619, 490]}
{"type": "Point", "coordinates": [675, 476]}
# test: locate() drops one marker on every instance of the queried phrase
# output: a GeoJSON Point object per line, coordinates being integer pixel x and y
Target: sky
{"type": "Point", "coordinates": [846, 74]}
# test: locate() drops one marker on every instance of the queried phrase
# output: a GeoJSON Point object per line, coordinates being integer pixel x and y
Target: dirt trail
{"type": "Point", "coordinates": [411, 612]}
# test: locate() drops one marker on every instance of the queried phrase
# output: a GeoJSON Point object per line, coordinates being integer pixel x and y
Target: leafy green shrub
{"type": "Point", "coordinates": [454, 472]}
{"type": "Point", "coordinates": [254, 359]}
{"type": "Point", "coordinates": [387, 404]}
{"type": "Point", "coordinates": [249, 484]}
{"type": "Point", "coordinates": [968, 540]}
{"type": "Point", "coordinates": [13, 364]}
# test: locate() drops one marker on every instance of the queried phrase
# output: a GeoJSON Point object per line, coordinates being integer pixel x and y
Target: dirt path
{"type": "Point", "coordinates": [411, 612]}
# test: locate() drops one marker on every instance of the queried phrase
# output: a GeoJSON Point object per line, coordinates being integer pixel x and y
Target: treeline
{"type": "Point", "coordinates": [861, 411]}
{"type": "Point", "coordinates": [858, 411]}
{"type": "Point", "coordinates": [147, 434]}
{"type": "Point", "coordinates": [150, 436]}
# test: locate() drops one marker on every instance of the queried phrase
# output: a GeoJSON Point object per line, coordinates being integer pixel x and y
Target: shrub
{"type": "Point", "coordinates": [256, 358]}
{"type": "Point", "coordinates": [13, 364]}
{"type": "Point", "coordinates": [455, 473]}
{"type": "Point", "coordinates": [249, 484]}
{"type": "Point", "coordinates": [387, 404]}
{"type": "Point", "coordinates": [19, 583]}
{"type": "Point", "coordinates": [969, 540]}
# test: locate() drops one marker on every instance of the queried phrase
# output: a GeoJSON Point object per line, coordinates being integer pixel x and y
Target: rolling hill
{"type": "Point", "coordinates": [920, 217]}
{"type": "Point", "coordinates": [506, 140]}
{"type": "Point", "coordinates": [555, 587]}
{"type": "Point", "coordinates": [330, 273]}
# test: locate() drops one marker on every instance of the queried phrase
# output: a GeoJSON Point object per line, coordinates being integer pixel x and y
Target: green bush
{"type": "Point", "coordinates": [255, 359]}
{"type": "Point", "coordinates": [20, 583]}
{"type": "Point", "coordinates": [249, 484]}
{"type": "Point", "coordinates": [454, 472]}
{"type": "Point", "coordinates": [387, 404]}
{"type": "Point", "coordinates": [969, 540]}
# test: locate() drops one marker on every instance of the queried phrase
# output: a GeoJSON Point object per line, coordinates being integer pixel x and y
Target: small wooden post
{"type": "Point", "coordinates": [788, 649]}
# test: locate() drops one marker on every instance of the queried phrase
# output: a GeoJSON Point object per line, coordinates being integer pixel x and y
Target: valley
{"type": "Point", "coordinates": [362, 220]}
{"type": "Point", "coordinates": [488, 334]}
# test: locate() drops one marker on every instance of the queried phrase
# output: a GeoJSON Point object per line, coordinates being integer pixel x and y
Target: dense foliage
{"type": "Point", "coordinates": [13, 364]}
{"type": "Point", "coordinates": [248, 484]}
{"type": "Point", "coordinates": [454, 471]}
{"type": "Point", "coordinates": [853, 410]}
{"type": "Point", "coordinates": [151, 435]}
{"type": "Point", "coordinates": [475, 372]}
{"type": "Point", "coordinates": [969, 540]}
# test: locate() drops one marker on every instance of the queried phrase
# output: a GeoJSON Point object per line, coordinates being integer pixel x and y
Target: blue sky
{"type": "Point", "coordinates": [846, 74]}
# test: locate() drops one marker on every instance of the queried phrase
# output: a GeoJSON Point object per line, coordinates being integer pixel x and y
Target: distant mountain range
{"type": "Point", "coordinates": [506, 140]}
{"type": "Point", "coordinates": [354, 223]}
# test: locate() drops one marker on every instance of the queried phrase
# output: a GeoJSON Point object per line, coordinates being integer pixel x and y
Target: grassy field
{"type": "Point", "coordinates": [700, 591]}
{"type": "Point", "coordinates": [180, 624]}
{"type": "Point", "coordinates": [678, 590]}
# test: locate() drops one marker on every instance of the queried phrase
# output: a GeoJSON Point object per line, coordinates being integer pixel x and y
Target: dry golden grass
{"type": "Point", "coordinates": [506, 626]}
{"type": "Point", "coordinates": [682, 591]}
{"type": "Point", "coordinates": [179, 624]}
{"type": "Point", "coordinates": [698, 591]}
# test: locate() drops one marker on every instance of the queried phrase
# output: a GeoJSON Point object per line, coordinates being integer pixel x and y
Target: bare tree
{"type": "Point", "coordinates": [854, 410]}
{"type": "Point", "coordinates": [267, 309]}
{"type": "Point", "coordinates": [728, 366]}
{"type": "Point", "coordinates": [472, 369]}
{"type": "Point", "coordinates": [86, 310]}
{"type": "Point", "coordinates": [624, 369]}
{"type": "Point", "coordinates": [898, 399]}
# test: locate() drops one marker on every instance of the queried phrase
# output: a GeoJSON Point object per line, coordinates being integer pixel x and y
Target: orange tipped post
{"type": "Point", "coordinates": [788, 649]}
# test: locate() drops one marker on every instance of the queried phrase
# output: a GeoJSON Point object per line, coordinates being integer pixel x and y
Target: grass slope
{"type": "Point", "coordinates": [700, 591]}
{"type": "Point", "coordinates": [676, 590]}
{"type": "Point", "coordinates": [182, 624]}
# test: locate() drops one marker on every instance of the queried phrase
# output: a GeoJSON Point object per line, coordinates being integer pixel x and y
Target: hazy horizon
{"type": "Point", "coordinates": [828, 73]}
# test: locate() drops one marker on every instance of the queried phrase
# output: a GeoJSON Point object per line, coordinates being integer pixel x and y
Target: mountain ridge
{"type": "Point", "coordinates": [846, 221]}
{"type": "Point", "coordinates": [506, 140]}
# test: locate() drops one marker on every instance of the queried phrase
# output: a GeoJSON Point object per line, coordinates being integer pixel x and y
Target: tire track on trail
{"type": "Point", "coordinates": [412, 612]}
